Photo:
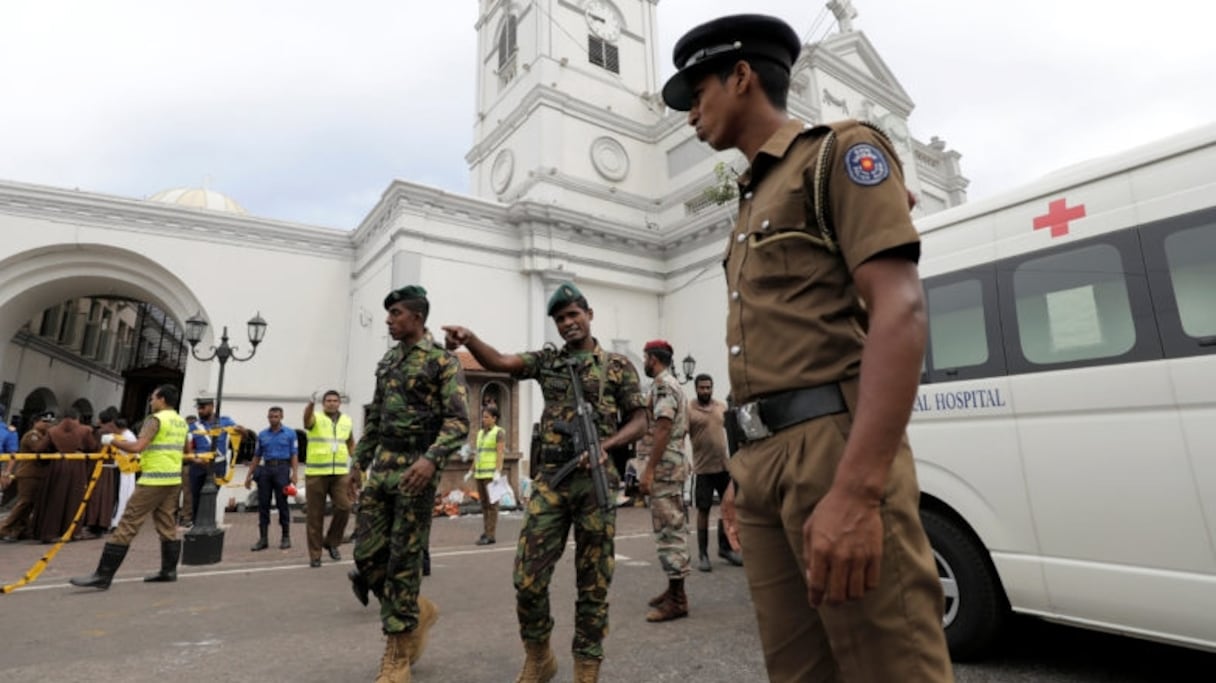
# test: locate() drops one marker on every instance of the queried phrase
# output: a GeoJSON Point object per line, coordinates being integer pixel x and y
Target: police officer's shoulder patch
{"type": "Point", "coordinates": [866, 164]}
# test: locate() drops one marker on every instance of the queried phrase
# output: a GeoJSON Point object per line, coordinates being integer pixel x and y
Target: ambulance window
{"type": "Point", "coordinates": [1191, 258]}
{"type": "Point", "coordinates": [956, 325]}
{"type": "Point", "coordinates": [1074, 306]}
{"type": "Point", "coordinates": [964, 326]}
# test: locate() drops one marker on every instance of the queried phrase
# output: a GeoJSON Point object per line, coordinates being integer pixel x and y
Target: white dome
{"type": "Point", "coordinates": [199, 198]}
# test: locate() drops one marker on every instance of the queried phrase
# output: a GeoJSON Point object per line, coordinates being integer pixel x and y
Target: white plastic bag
{"type": "Point", "coordinates": [498, 488]}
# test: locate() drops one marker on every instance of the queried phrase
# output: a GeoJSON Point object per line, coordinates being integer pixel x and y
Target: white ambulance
{"type": "Point", "coordinates": [1065, 428]}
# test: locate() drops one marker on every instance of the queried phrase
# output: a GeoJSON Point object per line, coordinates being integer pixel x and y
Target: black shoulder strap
{"type": "Point", "coordinates": [823, 166]}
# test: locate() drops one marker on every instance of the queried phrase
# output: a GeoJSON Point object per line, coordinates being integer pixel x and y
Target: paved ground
{"type": "Point", "coordinates": [268, 616]}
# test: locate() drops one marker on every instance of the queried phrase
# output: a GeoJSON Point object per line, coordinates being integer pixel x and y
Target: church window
{"type": "Point", "coordinates": [603, 53]}
{"type": "Point", "coordinates": [506, 41]}
{"type": "Point", "coordinates": [507, 48]}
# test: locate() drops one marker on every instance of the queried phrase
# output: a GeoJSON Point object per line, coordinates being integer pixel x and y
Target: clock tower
{"type": "Point", "coordinates": [567, 104]}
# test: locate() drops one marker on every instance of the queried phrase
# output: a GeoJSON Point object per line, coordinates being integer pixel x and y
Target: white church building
{"type": "Point", "coordinates": [579, 172]}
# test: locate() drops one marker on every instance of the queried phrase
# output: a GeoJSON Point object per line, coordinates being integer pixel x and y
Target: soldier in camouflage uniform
{"type": "Point", "coordinates": [419, 416]}
{"type": "Point", "coordinates": [663, 480]}
{"type": "Point", "coordinates": [610, 383]}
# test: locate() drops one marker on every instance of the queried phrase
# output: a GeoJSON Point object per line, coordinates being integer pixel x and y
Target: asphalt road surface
{"type": "Point", "coordinates": [269, 617]}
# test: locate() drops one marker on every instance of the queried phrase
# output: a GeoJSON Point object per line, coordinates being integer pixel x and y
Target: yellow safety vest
{"type": "Point", "coordinates": [327, 451]}
{"type": "Point", "coordinates": [161, 461]}
{"type": "Point", "coordinates": [487, 452]}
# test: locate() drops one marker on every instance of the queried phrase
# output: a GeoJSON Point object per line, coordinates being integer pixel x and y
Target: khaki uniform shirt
{"type": "Point", "coordinates": [667, 401]}
{"type": "Point", "coordinates": [794, 316]}
{"type": "Point", "coordinates": [32, 442]}
{"type": "Point", "coordinates": [707, 429]}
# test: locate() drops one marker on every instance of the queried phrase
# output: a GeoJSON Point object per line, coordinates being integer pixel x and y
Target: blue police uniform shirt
{"type": "Point", "coordinates": [202, 443]}
{"type": "Point", "coordinates": [280, 445]}
{"type": "Point", "coordinates": [8, 439]}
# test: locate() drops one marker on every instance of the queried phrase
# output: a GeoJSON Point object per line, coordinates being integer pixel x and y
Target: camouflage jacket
{"type": "Point", "coordinates": [420, 392]}
{"type": "Point", "coordinates": [609, 382]}
{"type": "Point", "coordinates": [667, 401]}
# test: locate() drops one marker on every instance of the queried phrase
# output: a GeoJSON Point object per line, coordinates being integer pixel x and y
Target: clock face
{"type": "Point", "coordinates": [602, 20]}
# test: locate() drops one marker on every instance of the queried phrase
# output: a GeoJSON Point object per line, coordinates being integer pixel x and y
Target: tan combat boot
{"type": "Point", "coordinates": [586, 670]}
{"type": "Point", "coordinates": [674, 607]}
{"type": "Point", "coordinates": [540, 666]}
{"type": "Point", "coordinates": [428, 614]}
{"type": "Point", "coordinates": [660, 598]}
{"type": "Point", "coordinates": [395, 664]}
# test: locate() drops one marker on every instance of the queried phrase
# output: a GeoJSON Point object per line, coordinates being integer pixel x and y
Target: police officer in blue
{"type": "Point", "coordinates": [274, 466]}
{"type": "Point", "coordinates": [8, 444]}
{"type": "Point", "coordinates": [205, 442]}
{"type": "Point", "coordinates": [8, 433]}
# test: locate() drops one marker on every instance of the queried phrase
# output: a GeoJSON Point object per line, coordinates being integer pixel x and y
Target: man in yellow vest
{"type": "Point", "coordinates": [487, 467]}
{"type": "Point", "coordinates": [161, 443]}
{"type": "Point", "coordinates": [327, 473]}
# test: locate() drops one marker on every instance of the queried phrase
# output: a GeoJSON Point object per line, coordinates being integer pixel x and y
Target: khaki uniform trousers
{"type": "Point", "coordinates": [316, 487]}
{"type": "Point", "coordinates": [19, 520]}
{"type": "Point", "coordinates": [489, 511]}
{"type": "Point", "coordinates": [894, 633]}
{"type": "Point", "coordinates": [158, 501]}
{"type": "Point", "coordinates": [187, 507]}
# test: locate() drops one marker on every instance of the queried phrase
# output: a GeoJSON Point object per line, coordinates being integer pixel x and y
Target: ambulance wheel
{"type": "Point", "coordinates": [975, 607]}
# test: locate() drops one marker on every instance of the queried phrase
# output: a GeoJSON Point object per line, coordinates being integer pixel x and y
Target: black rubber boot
{"type": "Point", "coordinates": [703, 551]}
{"type": "Point", "coordinates": [426, 561]}
{"type": "Point", "coordinates": [285, 542]}
{"type": "Point", "coordinates": [170, 552]}
{"type": "Point", "coordinates": [724, 550]}
{"type": "Point", "coordinates": [112, 556]}
{"type": "Point", "coordinates": [358, 584]}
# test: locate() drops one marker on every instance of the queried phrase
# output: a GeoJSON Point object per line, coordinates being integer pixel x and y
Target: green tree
{"type": "Point", "coordinates": [726, 188]}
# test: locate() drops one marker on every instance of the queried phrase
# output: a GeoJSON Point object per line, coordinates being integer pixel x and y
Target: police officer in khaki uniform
{"type": "Point", "coordinates": [826, 331]}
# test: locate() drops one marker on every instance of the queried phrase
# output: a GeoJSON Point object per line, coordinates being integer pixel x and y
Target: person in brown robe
{"type": "Point", "coordinates": [99, 513]}
{"type": "Point", "coordinates": [65, 479]}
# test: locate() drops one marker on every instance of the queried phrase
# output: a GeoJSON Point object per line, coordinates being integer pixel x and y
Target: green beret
{"type": "Point", "coordinates": [566, 294]}
{"type": "Point", "coordinates": [403, 294]}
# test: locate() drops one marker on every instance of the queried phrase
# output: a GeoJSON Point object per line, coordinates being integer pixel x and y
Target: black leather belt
{"type": "Point", "coordinates": [764, 417]}
{"type": "Point", "coordinates": [406, 444]}
{"type": "Point", "coordinates": [277, 462]}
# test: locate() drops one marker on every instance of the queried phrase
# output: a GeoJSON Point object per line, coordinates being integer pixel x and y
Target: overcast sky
{"type": "Point", "coordinates": [304, 110]}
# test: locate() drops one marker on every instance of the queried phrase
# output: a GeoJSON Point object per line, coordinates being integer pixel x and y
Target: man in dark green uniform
{"type": "Point", "coordinates": [419, 416]}
{"type": "Point", "coordinates": [610, 383]}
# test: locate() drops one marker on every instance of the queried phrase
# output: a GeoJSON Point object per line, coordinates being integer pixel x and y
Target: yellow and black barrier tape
{"type": "Point", "coordinates": [131, 459]}
{"type": "Point", "coordinates": [41, 565]}
{"type": "Point", "coordinates": [106, 453]}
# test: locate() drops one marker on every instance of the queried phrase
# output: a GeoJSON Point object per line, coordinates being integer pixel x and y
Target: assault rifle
{"type": "Point", "coordinates": [586, 440]}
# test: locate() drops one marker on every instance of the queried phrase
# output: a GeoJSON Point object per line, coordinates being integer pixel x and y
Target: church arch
{"type": "Point", "coordinates": [34, 280]}
{"type": "Point", "coordinates": [37, 402]}
{"type": "Point", "coordinates": [85, 408]}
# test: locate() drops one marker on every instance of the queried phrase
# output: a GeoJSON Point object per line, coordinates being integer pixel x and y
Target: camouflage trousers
{"type": "Point", "coordinates": [550, 514]}
{"type": "Point", "coordinates": [670, 531]}
{"type": "Point", "coordinates": [392, 530]}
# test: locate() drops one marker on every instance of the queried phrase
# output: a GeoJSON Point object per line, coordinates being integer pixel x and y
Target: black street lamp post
{"type": "Point", "coordinates": [204, 543]}
{"type": "Point", "coordinates": [689, 365]}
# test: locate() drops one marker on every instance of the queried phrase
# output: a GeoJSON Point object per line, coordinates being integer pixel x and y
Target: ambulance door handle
{"type": "Point", "coordinates": [1207, 341]}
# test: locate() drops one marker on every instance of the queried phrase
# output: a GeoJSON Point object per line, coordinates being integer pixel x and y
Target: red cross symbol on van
{"type": "Point", "coordinates": [1057, 217]}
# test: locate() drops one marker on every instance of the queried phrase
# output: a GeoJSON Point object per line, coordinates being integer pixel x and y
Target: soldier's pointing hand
{"type": "Point", "coordinates": [455, 336]}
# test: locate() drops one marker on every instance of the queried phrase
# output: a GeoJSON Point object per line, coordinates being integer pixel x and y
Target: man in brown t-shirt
{"type": "Point", "coordinates": [706, 429]}
{"type": "Point", "coordinates": [825, 331]}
